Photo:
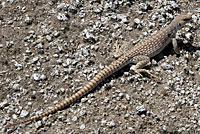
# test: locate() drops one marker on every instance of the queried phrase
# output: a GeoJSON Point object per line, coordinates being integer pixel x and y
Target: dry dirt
{"type": "Point", "coordinates": [45, 59]}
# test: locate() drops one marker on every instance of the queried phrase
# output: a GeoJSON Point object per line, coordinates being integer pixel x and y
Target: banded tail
{"type": "Point", "coordinates": [103, 74]}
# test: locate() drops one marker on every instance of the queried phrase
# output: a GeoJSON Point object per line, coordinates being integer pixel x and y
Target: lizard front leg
{"type": "Point", "coordinates": [175, 46]}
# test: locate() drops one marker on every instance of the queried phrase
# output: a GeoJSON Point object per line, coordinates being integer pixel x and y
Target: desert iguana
{"type": "Point", "coordinates": [140, 54]}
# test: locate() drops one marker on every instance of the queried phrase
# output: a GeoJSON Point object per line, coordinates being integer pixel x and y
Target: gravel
{"type": "Point", "coordinates": [50, 49]}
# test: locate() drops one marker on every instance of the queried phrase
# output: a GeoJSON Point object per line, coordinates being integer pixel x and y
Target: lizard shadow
{"type": "Point", "coordinates": [169, 50]}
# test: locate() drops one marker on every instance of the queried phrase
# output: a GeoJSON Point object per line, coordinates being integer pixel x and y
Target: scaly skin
{"type": "Point", "coordinates": [139, 54]}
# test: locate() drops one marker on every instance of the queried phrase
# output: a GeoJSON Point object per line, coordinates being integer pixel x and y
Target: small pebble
{"type": "Point", "coordinates": [141, 110]}
{"type": "Point", "coordinates": [166, 66]}
{"type": "Point", "coordinates": [111, 124]}
{"type": "Point", "coordinates": [62, 17]}
{"type": "Point", "coordinates": [82, 126]}
{"type": "Point", "coordinates": [74, 118]}
{"type": "Point", "coordinates": [24, 113]}
{"type": "Point", "coordinates": [38, 124]}
{"type": "Point", "coordinates": [3, 104]}
{"type": "Point", "coordinates": [137, 21]}
{"type": "Point", "coordinates": [36, 77]}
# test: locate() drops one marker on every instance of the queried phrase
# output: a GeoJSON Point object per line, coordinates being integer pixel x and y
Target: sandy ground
{"type": "Point", "coordinates": [50, 49]}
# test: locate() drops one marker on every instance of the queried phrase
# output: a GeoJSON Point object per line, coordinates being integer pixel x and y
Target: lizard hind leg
{"type": "Point", "coordinates": [120, 49]}
{"type": "Point", "coordinates": [141, 61]}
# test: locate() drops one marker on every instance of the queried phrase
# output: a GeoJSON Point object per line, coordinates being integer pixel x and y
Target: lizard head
{"type": "Point", "coordinates": [179, 21]}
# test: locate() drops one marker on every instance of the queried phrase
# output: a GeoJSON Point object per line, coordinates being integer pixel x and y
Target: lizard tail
{"type": "Point", "coordinates": [87, 88]}
{"type": "Point", "coordinates": [65, 103]}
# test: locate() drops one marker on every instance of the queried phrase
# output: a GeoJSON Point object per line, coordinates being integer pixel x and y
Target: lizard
{"type": "Point", "coordinates": [140, 55]}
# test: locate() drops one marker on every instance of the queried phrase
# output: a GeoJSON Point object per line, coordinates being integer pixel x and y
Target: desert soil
{"type": "Point", "coordinates": [49, 49]}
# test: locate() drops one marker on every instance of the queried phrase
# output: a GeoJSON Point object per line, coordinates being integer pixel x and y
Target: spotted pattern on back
{"type": "Point", "coordinates": [149, 46]}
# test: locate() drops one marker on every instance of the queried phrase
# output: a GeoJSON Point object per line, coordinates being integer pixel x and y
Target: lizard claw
{"type": "Point", "coordinates": [152, 75]}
